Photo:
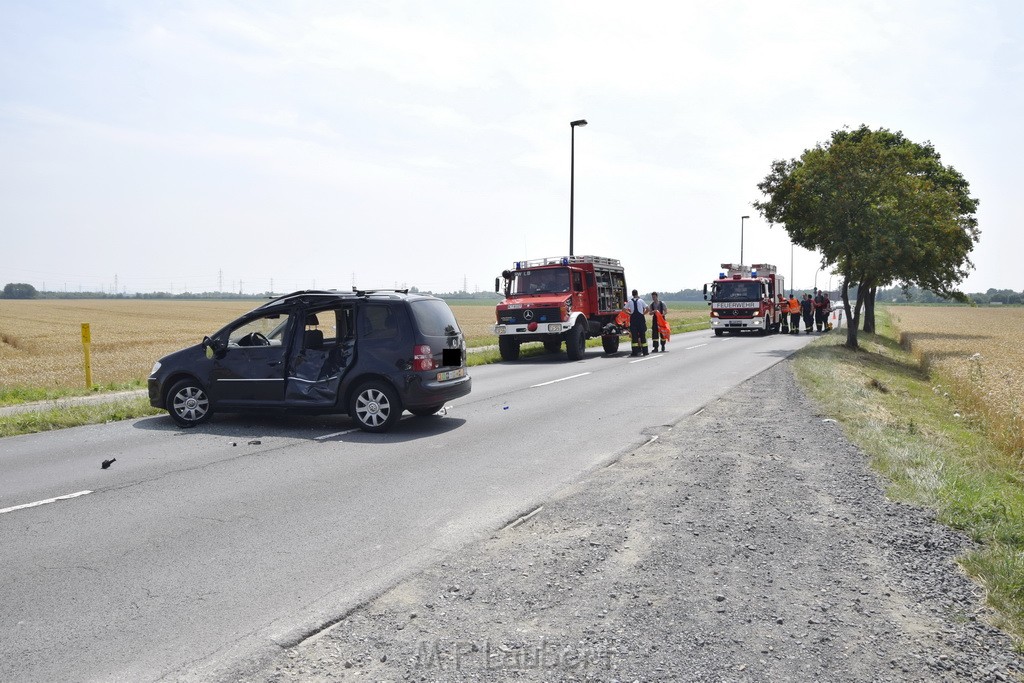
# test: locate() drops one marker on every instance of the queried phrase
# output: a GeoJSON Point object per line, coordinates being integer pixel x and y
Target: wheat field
{"type": "Point", "coordinates": [980, 352]}
{"type": "Point", "coordinates": [41, 340]}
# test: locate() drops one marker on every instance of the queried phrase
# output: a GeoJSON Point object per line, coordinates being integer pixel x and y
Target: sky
{"type": "Point", "coordinates": [255, 146]}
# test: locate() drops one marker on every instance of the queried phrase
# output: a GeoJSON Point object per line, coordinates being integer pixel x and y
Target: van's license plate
{"type": "Point", "coordinates": [451, 374]}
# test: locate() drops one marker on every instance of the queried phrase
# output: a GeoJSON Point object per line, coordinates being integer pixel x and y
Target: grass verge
{"type": "Point", "coordinates": [917, 435]}
{"type": "Point", "coordinates": [72, 415]}
{"type": "Point", "coordinates": [10, 396]}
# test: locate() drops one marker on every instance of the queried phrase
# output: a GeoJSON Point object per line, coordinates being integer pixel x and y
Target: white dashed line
{"type": "Point", "coordinates": [544, 384]}
{"type": "Point", "coordinates": [44, 502]}
{"type": "Point", "coordinates": [650, 357]}
{"type": "Point", "coordinates": [331, 436]}
{"type": "Point", "coordinates": [695, 347]}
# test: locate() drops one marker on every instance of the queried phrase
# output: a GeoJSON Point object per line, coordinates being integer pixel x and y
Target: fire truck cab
{"type": "Point", "coordinates": [556, 299]}
{"type": "Point", "coordinates": [745, 298]}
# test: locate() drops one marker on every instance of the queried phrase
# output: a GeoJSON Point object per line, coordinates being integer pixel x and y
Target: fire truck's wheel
{"type": "Point", "coordinates": [576, 342]}
{"type": "Point", "coordinates": [552, 345]}
{"type": "Point", "coordinates": [764, 328]}
{"type": "Point", "coordinates": [719, 333]}
{"type": "Point", "coordinates": [610, 342]}
{"type": "Point", "coordinates": [509, 348]}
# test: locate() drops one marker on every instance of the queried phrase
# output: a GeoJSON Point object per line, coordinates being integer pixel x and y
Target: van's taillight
{"type": "Point", "coordinates": [423, 358]}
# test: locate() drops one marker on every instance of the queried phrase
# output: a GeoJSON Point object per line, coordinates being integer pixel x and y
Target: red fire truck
{"type": "Point", "coordinates": [564, 298]}
{"type": "Point", "coordinates": [746, 298]}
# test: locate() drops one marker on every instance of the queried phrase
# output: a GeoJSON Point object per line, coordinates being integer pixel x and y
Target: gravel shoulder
{"type": "Point", "coordinates": [748, 542]}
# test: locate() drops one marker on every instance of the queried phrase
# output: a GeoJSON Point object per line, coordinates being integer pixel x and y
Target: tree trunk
{"type": "Point", "coordinates": [869, 310]}
{"type": "Point", "coordinates": [852, 315]}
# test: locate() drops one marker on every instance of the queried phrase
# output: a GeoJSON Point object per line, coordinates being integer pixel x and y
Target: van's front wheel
{"type": "Point", "coordinates": [188, 403]}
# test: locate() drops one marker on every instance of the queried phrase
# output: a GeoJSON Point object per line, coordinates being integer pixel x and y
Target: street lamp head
{"type": "Point", "coordinates": [581, 122]}
{"type": "Point", "coordinates": [744, 216]}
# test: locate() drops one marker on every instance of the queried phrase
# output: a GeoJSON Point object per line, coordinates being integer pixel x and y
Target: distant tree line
{"type": "Point", "coordinates": [917, 295]}
{"type": "Point", "coordinates": [19, 290]}
{"type": "Point", "coordinates": [912, 294]}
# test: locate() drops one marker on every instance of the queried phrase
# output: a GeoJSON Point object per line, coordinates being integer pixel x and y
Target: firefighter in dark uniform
{"type": "Point", "coordinates": [820, 311]}
{"type": "Point", "coordinates": [637, 308]}
{"type": "Point", "coordinates": [657, 306]}
{"type": "Point", "coordinates": [807, 308]}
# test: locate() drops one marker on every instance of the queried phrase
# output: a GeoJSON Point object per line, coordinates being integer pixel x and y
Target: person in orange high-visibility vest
{"type": "Point", "coordinates": [794, 315]}
{"type": "Point", "coordinates": [659, 328]}
{"type": "Point", "coordinates": [783, 305]}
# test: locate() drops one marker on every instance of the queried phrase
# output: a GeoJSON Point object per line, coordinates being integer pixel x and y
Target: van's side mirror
{"type": "Point", "coordinates": [213, 348]}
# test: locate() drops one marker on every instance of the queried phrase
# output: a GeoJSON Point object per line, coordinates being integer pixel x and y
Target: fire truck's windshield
{"type": "Point", "coordinates": [541, 281]}
{"type": "Point", "coordinates": [735, 290]}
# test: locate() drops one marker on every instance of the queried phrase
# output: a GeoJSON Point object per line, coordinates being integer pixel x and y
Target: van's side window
{"type": "Point", "coordinates": [377, 321]}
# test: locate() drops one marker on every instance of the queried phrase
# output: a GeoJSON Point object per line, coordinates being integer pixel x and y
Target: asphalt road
{"type": "Point", "coordinates": [198, 548]}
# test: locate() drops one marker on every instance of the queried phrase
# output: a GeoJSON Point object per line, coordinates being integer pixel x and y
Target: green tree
{"type": "Point", "coordinates": [19, 290]}
{"type": "Point", "coordinates": [879, 208]}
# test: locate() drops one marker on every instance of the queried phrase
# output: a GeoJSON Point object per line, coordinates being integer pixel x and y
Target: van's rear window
{"type": "Point", "coordinates": [434, 318]}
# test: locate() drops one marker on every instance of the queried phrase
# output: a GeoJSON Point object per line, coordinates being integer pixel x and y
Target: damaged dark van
{"type": "Point", "coordinates": [369, 354]}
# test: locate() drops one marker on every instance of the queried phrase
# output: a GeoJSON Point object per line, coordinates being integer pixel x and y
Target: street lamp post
{"type": "Point", "coordinates": [742, 218]}
{"type": "Point", "coordinates": [572, 173]}
{"type": "Point", "coordinates": [791, 247]}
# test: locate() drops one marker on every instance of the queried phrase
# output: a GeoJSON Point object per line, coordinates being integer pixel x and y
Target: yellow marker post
{"type": "Point", "coordinates": [86, 340]}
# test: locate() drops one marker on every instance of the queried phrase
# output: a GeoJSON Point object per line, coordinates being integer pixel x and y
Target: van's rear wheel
{"type": "Point", "coordinates": [376, 407]}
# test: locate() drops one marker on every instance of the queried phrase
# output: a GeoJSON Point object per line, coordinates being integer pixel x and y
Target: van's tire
{"type": "Point", "coordinates": [188, 403]}
{"type": "Point", "coordinates": [375, 407]}
{"type": "Point", "coordinates": [576, 341]}
{"type": "Point", "coordinates": [509, 348]}
{"type": "Point", "coordinates": [610, 342]}
{"type": "Point", "coordinates": [719, 333]}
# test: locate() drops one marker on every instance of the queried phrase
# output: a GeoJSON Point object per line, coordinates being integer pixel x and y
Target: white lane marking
{"type": "Point", "coordinates": [650, 357]}
{"type": "Point", "coordinates": [694, 347]}
{"type": "Point", "coordinates": [544, 384]}
{"type": "Point", "coordinates": [44, 502]}
{"type": "Point", "coordinates": [330, 436]}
